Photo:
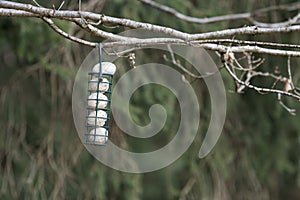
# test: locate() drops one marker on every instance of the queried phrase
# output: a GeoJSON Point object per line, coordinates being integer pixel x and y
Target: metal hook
{"type": "Point", "coordinates": [100, 46]}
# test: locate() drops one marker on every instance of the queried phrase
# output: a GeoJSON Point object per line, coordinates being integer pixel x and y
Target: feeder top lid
{"type": "Point", "coordinates": [107, 68]}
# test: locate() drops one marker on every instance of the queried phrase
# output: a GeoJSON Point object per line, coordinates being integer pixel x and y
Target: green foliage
{"type": "Point", "coordinates": [41, 157]}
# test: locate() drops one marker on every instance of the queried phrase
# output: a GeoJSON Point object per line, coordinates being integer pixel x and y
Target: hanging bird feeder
{"type": "Point", "coordinates": [98, 102]}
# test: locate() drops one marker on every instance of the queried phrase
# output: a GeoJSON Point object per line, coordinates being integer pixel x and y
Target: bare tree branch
{"type": "Point", "coordinates": [99, 33]}
{"type": "Point", "coordinates": [197, 20]}
{"type": "Point", "coordinates": [256, 49]}
{"type": "Point", "coordinates": [189, 37]}
{"type": "Point", "coordinates": [80, 18]}
{"type": "Point", "coordinates": [16, 13]}
{"type": "Point", "coordinates": [247, 16]}
{"type": "Point", "coordinates": [75, 15]}
{"type": "Point", "coordinates": [250, 30]}
{"type": "Point", "coordinates": [245, 42]}
{"type": "Point", "coordinates": [180, 66]}
{"type": "Point", "coordinates": [66, 35]}
{"type": "Point", "coordinates": [294, 20]}
{"type": "Point", "coordinates": [259, 89]}
{"type": "Point", "coordinates": [219, 41]}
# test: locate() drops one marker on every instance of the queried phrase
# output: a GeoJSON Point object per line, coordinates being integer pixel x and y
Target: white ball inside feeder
{"type": "Point", "coordinates": [103, 86]}
{"type": "Point", "coordinates": [102, 100]}
{"type": "Point", "coordinates": [100, 120]}
{"type": "Point", "coordinates": [98, 135]}
{"type": "Point", "coordinates": [107, 68]}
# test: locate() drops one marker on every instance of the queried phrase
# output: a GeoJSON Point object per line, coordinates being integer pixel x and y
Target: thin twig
{"type": "Point", "coordinates": [259, 89]}
{"type": "Point", "coordinates": [290, 110]}
{"type": "Point", "coordinates": [61, 5]}
{"type": "Point", "coordinates": [289, 72]}
{"type": "Point", "coordinates": [291, 21]}
{"type": "Point", "coordinates": [178, 64]}
{"type": "Point", "coordinates": [66, 35]}
{"type": "Point", "coordinates": [36, 3]}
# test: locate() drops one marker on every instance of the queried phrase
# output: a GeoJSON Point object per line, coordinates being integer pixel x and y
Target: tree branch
{"type": "Point", "coordinates": [247, 16]}
{"type": "Point", "coordinates": [66, 35]}
{"type": "Point", "coordinates": [80, 18]}
{"type": "Point", "coordinates": [259, 89]}
{"type": "Point", "coordinates": [196, 20]}
{"type": "Point", "coordinates": [256, 49]}
{"type": "Point", "coordinates": [76, 15]}
{"type": "Point", "coordinates": [219, 41]}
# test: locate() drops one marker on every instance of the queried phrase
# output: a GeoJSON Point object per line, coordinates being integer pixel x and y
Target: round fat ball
{"type": "Point", "coordinates": [107, 68]}
{"type": "Point", "coordinates": [100, 120]}
{"type": "Point", "coordinates": [98, 135]}
{"type": "Point", "coordinates": [103, 86]}
{"type": "Point", "coordinates": [102, 100]}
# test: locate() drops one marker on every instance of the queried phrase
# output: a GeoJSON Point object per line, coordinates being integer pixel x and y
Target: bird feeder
{"type": "Point", "coordinates": [98, 102]}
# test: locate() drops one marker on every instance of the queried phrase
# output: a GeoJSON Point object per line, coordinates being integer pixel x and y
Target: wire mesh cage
{"type": "Point", "coordinates": [98, 103]}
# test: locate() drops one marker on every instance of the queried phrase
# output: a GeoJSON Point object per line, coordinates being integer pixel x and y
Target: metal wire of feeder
{"type": "Point", "coordinates": [98, 105]}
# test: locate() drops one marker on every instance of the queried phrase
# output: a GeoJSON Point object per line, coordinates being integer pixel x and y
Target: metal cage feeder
{"type": "Point", "coordinates": [99, 102]}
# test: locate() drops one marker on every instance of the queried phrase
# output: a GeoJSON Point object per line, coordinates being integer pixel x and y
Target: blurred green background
{"type": "Point", "coordinates": [41, 156]}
